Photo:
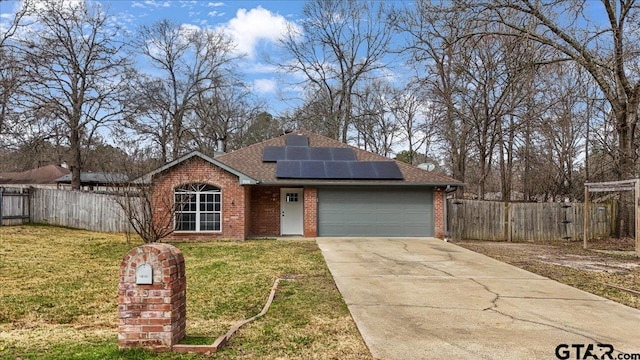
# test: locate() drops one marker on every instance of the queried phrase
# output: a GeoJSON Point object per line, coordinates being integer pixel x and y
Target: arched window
{"type": "Point", "coordinates": [198, 207]}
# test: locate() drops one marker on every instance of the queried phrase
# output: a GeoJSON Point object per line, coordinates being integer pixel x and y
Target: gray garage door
{"type": "Point", "coordinates": [375, 212]}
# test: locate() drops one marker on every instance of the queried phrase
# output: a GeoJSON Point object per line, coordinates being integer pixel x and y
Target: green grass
{"type": "Point", "coordinates": [58, 298]}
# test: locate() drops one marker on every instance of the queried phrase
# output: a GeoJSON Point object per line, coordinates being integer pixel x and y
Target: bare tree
{"type": "Point", "coordinates": [416, 120]}
{"type": "Point", "coordinates": [191, 61]}
{"type": "Point", "coordinates": [11, 69]}
{"type": "Point", "coordinates": [376, 128]}
{"type": "Point", "coordinates": [340, 43]}
{"type": "Point", "coordinates": [138, 198]}
{"type": "Point", "coordinates": [152, 125]}
{"type": "Point", "coordinates": [440, 62]}
{"type": "Point", "coordinates": [564, 126]}
{"type": "Point", "coordinates": [312, 114]}
{"type": "Point", "coordinates": [224, 112]}
{"type": "Point", "coordinates": [607, 50]}
{"type": "Point", "coordinates": [75, 67]}
{"type": "Point", "coordinates": [139, 203]}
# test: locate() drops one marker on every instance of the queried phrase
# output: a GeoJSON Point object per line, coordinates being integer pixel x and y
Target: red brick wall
{"type": "Point", "coordinates": [197, 170]}
{"type": "Point", "coordinates": [247, 210]}
{"type": "Point", "coordinates": [264, 215]}
{"type": "Point", "coordinates": [310, 212]}
{"type": "Point", "coordinates": [438, 213]}
{"type": "Point", "coordinates": [264, 212]}
{"type": "Point", "coordinates": [152, 316]}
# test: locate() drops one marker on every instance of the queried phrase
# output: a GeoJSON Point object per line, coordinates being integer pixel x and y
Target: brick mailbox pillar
{"type": "Point", "coordinates": [152, 305]}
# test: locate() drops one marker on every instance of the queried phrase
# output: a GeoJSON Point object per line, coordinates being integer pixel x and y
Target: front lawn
{"type": "Point", "coordinates": [58, 298]}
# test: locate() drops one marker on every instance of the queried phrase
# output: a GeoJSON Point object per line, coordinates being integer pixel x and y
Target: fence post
{"type": "Point", "coordinates": [29, 191]}
{"type": "Point", "coordinates": [509, 215]}
{"type": "Point", "coordinates": [636, 193]}
{"type": "Point", "coordinates": [586, 217]}
{"type": "Point", "coordinates": [1, 190]}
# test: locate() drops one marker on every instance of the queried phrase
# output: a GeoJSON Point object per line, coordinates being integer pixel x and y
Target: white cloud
{"type": "Point", "coordinates": [151, 4]}
{"type": "Point", "coordinates": [187, 29]}
{"type": "Point", "coordinates": [188, 4]}
{"type": "Point", "coordinates": [158, 4]}
{"type": "Point", "coordinates": [215, 4]}
{"type": "Point", "coordinates": [260, 68]}
{"type": "Point", "coordinates": [264, 86]}
{"type": "Point", "coordinates": [247, 28]}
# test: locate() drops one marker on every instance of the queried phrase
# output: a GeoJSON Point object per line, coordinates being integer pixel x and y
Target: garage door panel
{"type": "Point", "coordinates": [375, 212]}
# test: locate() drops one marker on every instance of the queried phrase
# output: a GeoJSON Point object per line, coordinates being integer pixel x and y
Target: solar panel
{"type": "Point", "coordinates": [312, 170]}
{"type": "Point", "coordinates": [273, 153]}
{"type": "Point", "coordinates": [343, 154]}
{"type": "Point", "coordinates": [320, 153]}
{"type": "Point", "coordinates": [297, 140]}
{"type": "Point", "coordinates": [296, 153]}
{"type": "Point", "coordinates": [288, 169]}
{"type": "Point", "coordinates": [387, 170]}
{"type": "Point", "coordinates": [337, 170]}
{"type": "Point", "coordinates": [362, 170]}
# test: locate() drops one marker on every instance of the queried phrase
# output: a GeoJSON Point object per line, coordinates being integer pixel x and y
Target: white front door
{"type": "Point", "coordinates": [291, 205]}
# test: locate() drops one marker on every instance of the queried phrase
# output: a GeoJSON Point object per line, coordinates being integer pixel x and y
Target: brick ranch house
{"type": "Point", "coordinates": [298, 184]}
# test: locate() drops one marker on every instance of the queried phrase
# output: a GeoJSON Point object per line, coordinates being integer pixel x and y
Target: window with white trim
{"type": "Point", "coordinates": [198, 207]}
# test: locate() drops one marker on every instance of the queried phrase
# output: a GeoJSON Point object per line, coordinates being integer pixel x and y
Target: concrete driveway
{"type": "Point", "coordinates": [427, 299]}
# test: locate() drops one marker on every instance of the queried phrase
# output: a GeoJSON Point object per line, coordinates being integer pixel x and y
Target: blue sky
{"type": "Point", "coordinates": [254, 26]}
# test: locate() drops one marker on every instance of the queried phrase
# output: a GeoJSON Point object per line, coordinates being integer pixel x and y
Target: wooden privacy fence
{"type": "Point", "coordinates": [14, 206]}
{"type": "Point", "coordinates": [75, 209]}
{"type": "Point", "coordinates": [499, 221]}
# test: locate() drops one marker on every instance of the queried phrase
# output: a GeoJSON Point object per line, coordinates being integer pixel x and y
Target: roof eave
{"type": "Point", "coordinates": [359, 183]}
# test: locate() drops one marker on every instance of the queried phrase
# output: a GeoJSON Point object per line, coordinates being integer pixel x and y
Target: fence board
{"type": "Point", "coordinates": [497, 221]}
{"type": "Point", "coordinates": [76, 209]}
{"type": "Point", "coordinates": [14, 206]}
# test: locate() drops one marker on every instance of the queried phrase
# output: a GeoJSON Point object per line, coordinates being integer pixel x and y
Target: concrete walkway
{"type": "Point", "coordinates": [427, 299]}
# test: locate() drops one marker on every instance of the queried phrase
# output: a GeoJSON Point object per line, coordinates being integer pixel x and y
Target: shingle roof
{"type": "Point", "coordinates": [42, 175]}
{"type": "Point", "coordinates": [96, 178]}
{"type": "Point", "coordinates": [248, 161]}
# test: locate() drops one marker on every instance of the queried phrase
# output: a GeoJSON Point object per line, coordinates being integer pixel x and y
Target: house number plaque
{"type": "Point", "coordinates": [144, 274]}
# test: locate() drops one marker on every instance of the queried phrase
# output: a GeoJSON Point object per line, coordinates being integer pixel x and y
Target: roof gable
{"type": "Point", "coordinates": [242, 177]}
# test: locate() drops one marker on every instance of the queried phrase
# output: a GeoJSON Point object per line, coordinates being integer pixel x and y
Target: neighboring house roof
{"type": "Point", "coordinates": [42, 175]}
{"type": "Point", "coordinates": [96, 178]}
{"type": "Point", "coordinates": [248, 161]}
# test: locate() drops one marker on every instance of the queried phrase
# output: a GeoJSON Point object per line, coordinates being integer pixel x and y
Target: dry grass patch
{"type": "Point", "coordinates": [590, 270]}
{"type": "Point", "coordinates": [59, 297]}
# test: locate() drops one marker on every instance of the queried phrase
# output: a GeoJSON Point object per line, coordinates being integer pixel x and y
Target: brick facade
{"type": "Point", "coordinates": [196, 170]}
{"type": "Point", "coordinates": [247, 211]}
{"type": "Point", "coordinates": [265, 211]}
{"type": "Point", "coordinates": [264, 218]}
{"type": "Point", "coordinates": [152, 316]}
{"type": "Point", "coordinates": [438, 213]}
{"type": "Point", "coordinates": [310, 212]}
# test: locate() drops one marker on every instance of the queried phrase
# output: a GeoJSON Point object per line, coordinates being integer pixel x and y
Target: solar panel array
{"type": "Point", "coordinates": [339, 170]}
{"type": "Point", "coordinates": [276, 153]}
{"type": "Point", "coordinates": [297, 160]}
